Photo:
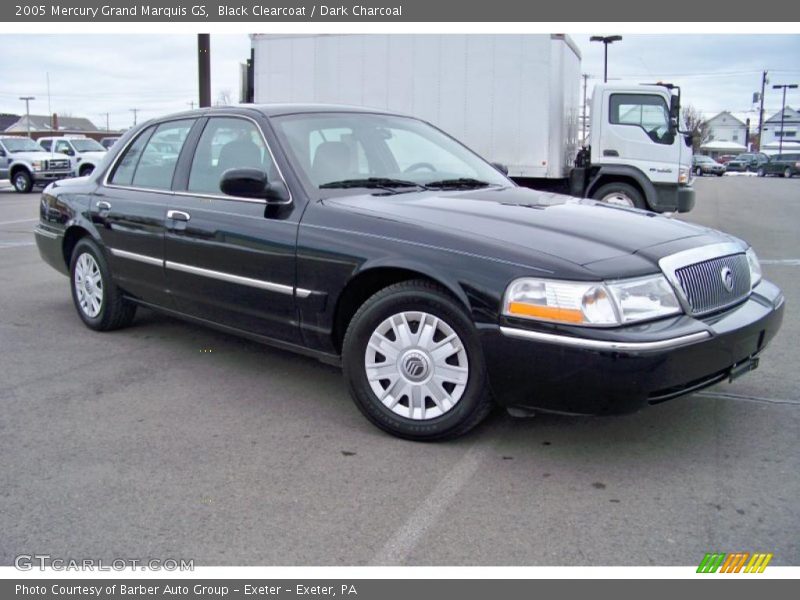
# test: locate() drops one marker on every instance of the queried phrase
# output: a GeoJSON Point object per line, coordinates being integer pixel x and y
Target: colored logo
{"type": "Point", "coordinates": [736, 562]}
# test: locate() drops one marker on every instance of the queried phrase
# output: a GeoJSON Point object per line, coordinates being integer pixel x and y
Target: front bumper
{"type": "Point", "coordinates": [602, 371]}
{"type": "Point", "coordinates": [40, 177]}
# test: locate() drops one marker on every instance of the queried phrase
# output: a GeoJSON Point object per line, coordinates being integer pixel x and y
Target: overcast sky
{"type": "Point", "coordinates": [93, 74]}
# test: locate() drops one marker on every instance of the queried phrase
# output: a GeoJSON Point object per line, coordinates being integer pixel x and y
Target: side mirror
{"type": "Point", "coordinates": [68, 152]}
{"type": "Point", "coordinates": [501, 167]}
{"type": "Point", "coordinates": [673, 124]}
{"type": "Point", "coordinates": [253, 183]}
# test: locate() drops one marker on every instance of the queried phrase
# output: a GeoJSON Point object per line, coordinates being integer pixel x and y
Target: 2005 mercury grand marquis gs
{"type": "Point", "coordinates": [378, 242]}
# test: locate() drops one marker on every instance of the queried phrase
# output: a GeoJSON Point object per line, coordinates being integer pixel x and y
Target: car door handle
{"type": "Point", "coordinates": [103, 205]}
{"type": "Point", "coordinates": [610, 153]}
{"type": "Point", "coordinates": [178, 215]}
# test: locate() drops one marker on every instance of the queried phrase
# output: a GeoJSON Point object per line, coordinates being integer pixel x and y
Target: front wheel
{"type": "Point", "coordinates": [86, 170]}
{"type": "Point", "coordinates": [621, 194]}
{"type": "Point", "coordinates": [414, 365]}
{"type": "Point", "coordinates": [698, 171]}
{"type": "Point", "coordinates": [99, 302]}
{"type": "Point", "coordinates": [22, 182]}
{"type": "Point", "coordinates": [787, 173]}
{"type": "Point", "coordinates": [761, 172]}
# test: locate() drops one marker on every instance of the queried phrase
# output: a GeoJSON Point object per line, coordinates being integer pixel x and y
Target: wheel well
{"type": "Point", "coordinates": [359, 289]}
{"type": "Point", "coordinates": [85, 166]}
{"type": "Point", "coordinates": [71, 237]}
{"type": "Point", "coordinates": [17, 168]}
{"type": "Point", "coordinates": [606, 179]}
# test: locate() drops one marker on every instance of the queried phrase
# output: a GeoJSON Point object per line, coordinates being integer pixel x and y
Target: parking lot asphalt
{"type": "Point", "coordinates": [167, 440]}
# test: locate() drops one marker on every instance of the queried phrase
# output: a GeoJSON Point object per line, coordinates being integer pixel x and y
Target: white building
{"type": "Point", "coordinates": [772, 128]}
{"type": "Point", "coordinates": [727, 127]}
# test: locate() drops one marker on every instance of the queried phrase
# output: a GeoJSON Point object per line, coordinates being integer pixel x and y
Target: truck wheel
{"type": "Point", "coordinates": [621, 194]}
{"type": "Point", "coordinates": [86, 170]}
{"type": "Point", "coordinates": [761, 172]}
{"type": "Point", "coordinates": [787, 173]}
{"type": "Point", "coordinates": [698, 171]}
{"type": "Point", "coordinates": [22, 181]}
{"type": "Point", "coordinates": [98, 300]}
{"type": "Point", "coordinates": [414, 365]}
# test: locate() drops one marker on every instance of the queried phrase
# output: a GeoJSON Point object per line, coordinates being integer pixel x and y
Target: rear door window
{"type": "Point", "coordinates": [150, 161]}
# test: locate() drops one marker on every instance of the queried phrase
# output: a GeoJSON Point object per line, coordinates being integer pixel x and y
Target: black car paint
{"type": "Point", "coordinates": [473, 243]}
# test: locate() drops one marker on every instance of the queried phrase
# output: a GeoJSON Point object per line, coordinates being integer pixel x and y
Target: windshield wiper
{"type": "Point", "coordinates": [383, 183]}
{"type": "Point", "coordinates": [461, 183]}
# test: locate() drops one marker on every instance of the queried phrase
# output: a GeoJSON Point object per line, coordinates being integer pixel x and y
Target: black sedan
{"type": "Point", "coordinates": [705, 165]}
{"type": "Point", "coordinates": [377, 242]}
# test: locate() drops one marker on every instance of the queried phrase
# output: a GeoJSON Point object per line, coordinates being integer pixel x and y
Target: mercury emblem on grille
{"type": "Point", "coordinates": [727, 278]}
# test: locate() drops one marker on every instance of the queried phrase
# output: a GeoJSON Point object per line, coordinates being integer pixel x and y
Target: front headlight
{"type": "Point", "coordinates": [591, 303]}
{"type": "Point", "coordinates": [37, 165]}
{"type": "Point", "coordinates": [755, 267]}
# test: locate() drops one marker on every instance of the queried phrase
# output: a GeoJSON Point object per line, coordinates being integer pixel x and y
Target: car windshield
{"type": "Point", "coordinates": [21, 145]}
{"type": "Point", "coordinates": [385, 152]}
{"type": "Point", "coordinates": [704, 159]}
{"type": "Point", "coordinates": [87, 145]}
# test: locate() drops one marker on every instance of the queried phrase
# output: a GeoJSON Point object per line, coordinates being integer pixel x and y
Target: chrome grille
{"type": "Point", "coordinates": [57, 163]}
{"type": "Point", "coordinates": [704, 287]}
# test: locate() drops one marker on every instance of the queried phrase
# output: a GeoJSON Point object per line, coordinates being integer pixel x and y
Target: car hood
{"type": "Point", "coordinates": [97, 156]}
{"type": "Point", "coordinates": [29, 156]}
{"type": "Point", "coordinates": [580, 231]}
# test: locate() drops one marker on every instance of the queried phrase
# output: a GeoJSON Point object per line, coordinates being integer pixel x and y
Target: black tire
{"type": "Point", "coordinates": [787, 173]}
{"type": "Point", "coordinates": [86, 170]}
{"type": "Point", "coordinates": [22, 181]}
{"type": "Point", "coordinates": [698, 171]}
{"type": "Point", "coordinates": [624, 189]}
{"type": "Point", "coordinates": [761, 172]}
{"type": "Point", "coordinates": [721, 174]}
{"type": "Point", "coordinates": [475, 402]}
{"type": "Point", "coordinates": [115, 311]}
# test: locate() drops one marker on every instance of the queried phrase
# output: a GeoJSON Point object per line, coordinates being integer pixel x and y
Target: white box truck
{"type": "Point", "coordinates": [514, 99]}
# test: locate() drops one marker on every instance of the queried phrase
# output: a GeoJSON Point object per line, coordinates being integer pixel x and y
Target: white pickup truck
{"type": "Point", "coordinates": [85, 152]}
{"type": "Point", "coordinates": [27, 164]}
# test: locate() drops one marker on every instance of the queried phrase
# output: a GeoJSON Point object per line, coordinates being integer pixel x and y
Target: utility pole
{"type": "Point", "coordinates": [784, 86]}
{"type": "Point", "coordinates": [107, 126]}
{"type": "Point", "coordinates": [204, 68]}
{"type": "Point", "coordinates": [583, 129]}
{"type": "Point", "coordinates": [135, 112]}
{"type": "Point", "coordinates": [191, 104]}
{"type": "Point", "coordinates": [761, 109]}
{"type": "Point", "coordinates": [606, 40]}
{"type": "Point", "coordinates": [27, 100]}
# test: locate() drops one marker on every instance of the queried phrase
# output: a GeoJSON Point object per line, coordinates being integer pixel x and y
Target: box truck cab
{"type": "Point", "coordinates": [636, 154]}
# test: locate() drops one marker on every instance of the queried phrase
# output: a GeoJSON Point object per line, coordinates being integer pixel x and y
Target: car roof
{"type": "Point", "coordinates": [276, 110]}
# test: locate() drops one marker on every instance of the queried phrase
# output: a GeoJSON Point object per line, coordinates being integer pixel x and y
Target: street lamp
{"type": "Point", "coordinates": [784, 86]}
{"type": "Point", "coordinates": [606, 39]}
{"type": "Point", "coordinates": [27, 100]}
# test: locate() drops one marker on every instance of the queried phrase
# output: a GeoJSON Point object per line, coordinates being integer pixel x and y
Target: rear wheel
{"type": "Point", "coordinates": [762, 172]}
{"type": "Point", "coordinates": [413, 363]}
{"type": "Point", "coordinates": [99, 302]}
{"type": "Point", "coordinates": [698, 171]}
{"type": "Point", "coordinates": [621, 194]}
{"type": "Point", "coordinates": [22, 181]}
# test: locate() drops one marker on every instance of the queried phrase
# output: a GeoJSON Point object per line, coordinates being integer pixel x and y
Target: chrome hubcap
{"type": "Point", "coordinates": [618, 198]}
{"type": "Point", "coordinates": [20, 182]}
{"type": "Point", "coordinates": [416, 365]}
{"type": "Point", "coordinates": [88, 285]}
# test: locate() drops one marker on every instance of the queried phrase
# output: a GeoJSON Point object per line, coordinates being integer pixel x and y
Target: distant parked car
{"type": "Point", "coordinates": [26, 164]}
{"type": "Point", "coordinates": [84, 151]}
{"type": "Point", "coordinates": [725, 158]}
{"type": "Point", "coordinates": [107, 142]}
{"type": "Point", "coordinates": [705, 165]}
{"type": "Point", "coordinates": [787, 165]}
{"type": "Point", "coordinates": [749, 161]}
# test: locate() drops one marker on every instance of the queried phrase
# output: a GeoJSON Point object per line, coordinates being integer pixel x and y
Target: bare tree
{"type": "Point", "coordinates": [224, 98]}
{"type": "Point", "coordinates": [694, 123]}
